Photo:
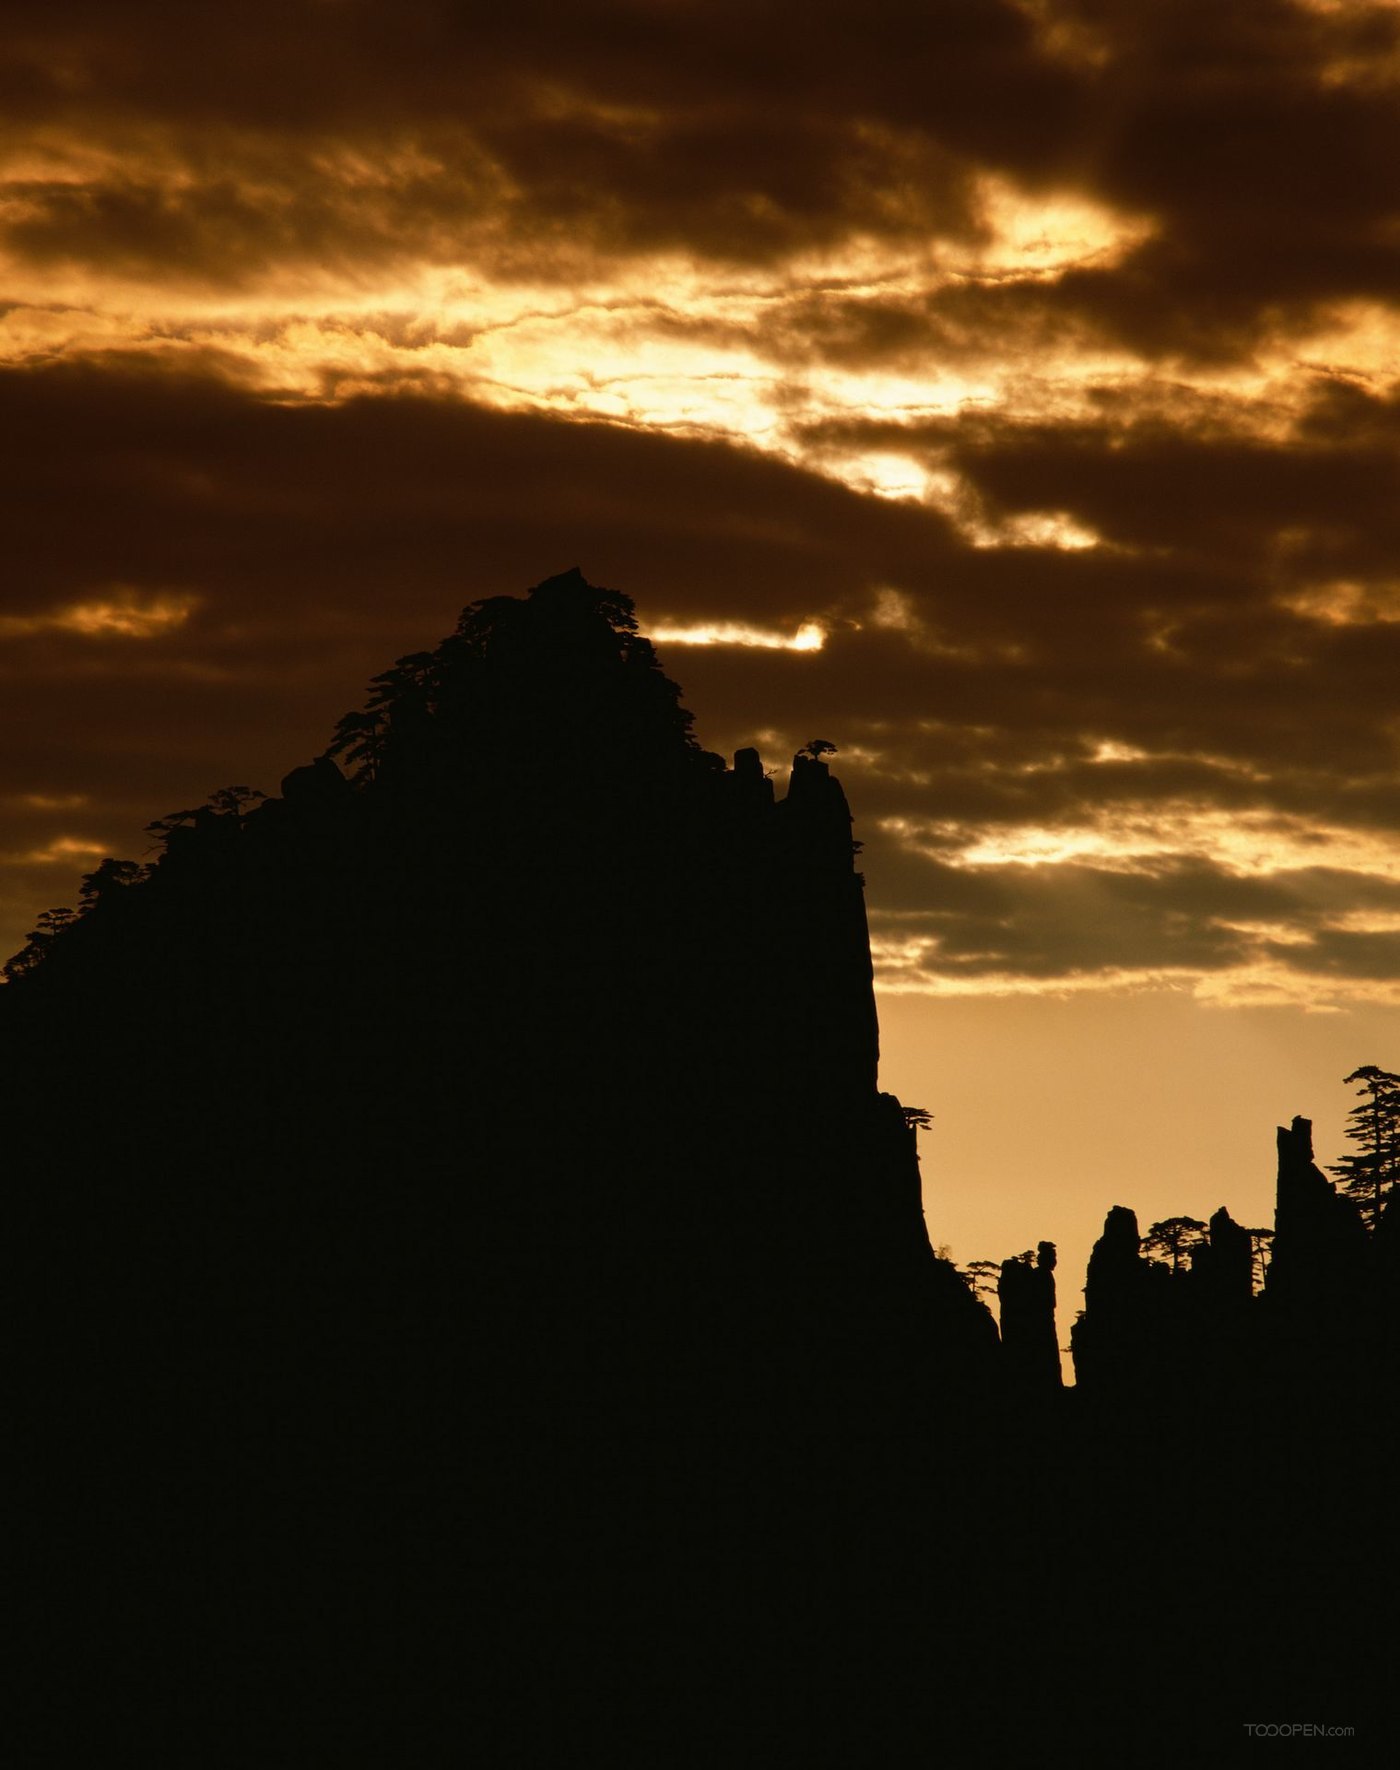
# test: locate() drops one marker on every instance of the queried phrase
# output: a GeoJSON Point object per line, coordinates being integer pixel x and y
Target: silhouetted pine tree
{"type": "Point", "coordinates": [1373, 1124]}
{"type": "Point", "coordinates": [1173, 1239]}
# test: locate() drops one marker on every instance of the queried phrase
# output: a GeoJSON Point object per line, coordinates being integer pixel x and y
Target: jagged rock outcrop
{"type": "Point", "coordinates": [1222, 1271]}
{"type": "Point", "coordinates": [1026, 1299]}
{"type": "Point", "coordinates": [1114, 1330]}
{"type": "Point", "coordinates": [1319, 1238]}
{"type": "Point", "coordinates": [1148, 1327]}
{"type": "Point", "coordinates": [1324, 1325]}
{"type": "Point", "coordinates": [1330, 1310]}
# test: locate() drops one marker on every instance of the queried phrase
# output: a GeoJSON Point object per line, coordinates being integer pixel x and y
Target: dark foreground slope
{"type": "Point", "coordinates": [477, 1303]}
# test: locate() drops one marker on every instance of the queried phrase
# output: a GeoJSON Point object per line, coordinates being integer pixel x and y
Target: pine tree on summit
{"type": "Point", "coordinates": [1373, 1124]}
{"type": "Point", "coordinates": [1173, 1239]}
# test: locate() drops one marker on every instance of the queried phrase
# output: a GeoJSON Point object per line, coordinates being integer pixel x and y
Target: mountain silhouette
{"type": "Point", "coordinates": [491, 1126]}
{"type": "Point", "coordinates": [479, 1296]}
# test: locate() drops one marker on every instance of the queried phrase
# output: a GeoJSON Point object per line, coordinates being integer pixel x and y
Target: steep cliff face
{"type": "Point", "coordinates": [521, 1082]}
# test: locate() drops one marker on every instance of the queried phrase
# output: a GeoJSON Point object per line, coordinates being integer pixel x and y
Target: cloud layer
{"type": "Point", "coordinates": [1042, 358]}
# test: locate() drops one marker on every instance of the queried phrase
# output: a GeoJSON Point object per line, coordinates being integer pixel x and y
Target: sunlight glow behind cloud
{"type": "Point", "coordinates": [673, 345]}
{"type": "Point", "coordinates": [1134, 838]}
{"type": "Point", "coordinates": [808, 637]}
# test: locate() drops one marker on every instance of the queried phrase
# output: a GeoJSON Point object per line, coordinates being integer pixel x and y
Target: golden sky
{"type": "Point", "coordinates": [1007, 390]}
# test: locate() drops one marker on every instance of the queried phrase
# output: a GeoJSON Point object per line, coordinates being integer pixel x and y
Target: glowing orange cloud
{"type": "Point", "coordinates": [124, 616]}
